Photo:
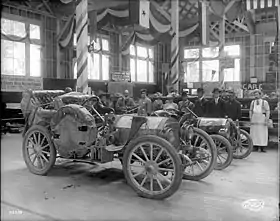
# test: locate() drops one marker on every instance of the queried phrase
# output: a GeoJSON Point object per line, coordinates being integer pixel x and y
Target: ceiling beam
{"type": "Point", "coordinates": [240, 25]}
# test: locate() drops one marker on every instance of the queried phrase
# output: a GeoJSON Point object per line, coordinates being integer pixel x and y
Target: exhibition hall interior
{"type": "Point", "coordinates": [140, 110]}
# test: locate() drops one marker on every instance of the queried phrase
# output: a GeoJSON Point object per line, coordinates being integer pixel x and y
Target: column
{"type": "Point", "coordinates": [82, 45]}
{"type": "Point", "coordinates": [221, 50]}
{"type": "Point", "coordinates": [175, 58]}
{"type": "Point", "coordinates": [58, 57]}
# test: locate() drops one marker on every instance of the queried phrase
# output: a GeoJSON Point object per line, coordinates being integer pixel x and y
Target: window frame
{"type": "Point", "coordinates": [27, 42]}
{"type": "Point", "coordinates": [136, 57]}
{"type": "Point", "coordinates": [100, 53]}
{"type": "Point", "coordinates": [200, 59]}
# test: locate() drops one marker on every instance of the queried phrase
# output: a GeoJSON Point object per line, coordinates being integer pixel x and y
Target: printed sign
{"type": "Point", "coordinates": [252, 86]}
{"type": "Point", "coordinates": [20, 83]}
{"type": "Point", "coordinates": [121, 76]}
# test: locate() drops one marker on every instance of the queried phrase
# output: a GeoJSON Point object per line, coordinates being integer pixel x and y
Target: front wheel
{"type": "Point", "coordinates": [152, 167]}
{"type": "Point", "coordinates": [203, 156]}
{"type": "Point", "coordinates": [224, 152]}
{"type": "Point", "coordinates": [242, 145]}
{"type": "Point", "coordinates": [38, 150]}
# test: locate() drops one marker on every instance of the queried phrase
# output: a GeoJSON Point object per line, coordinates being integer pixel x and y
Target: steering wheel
{"type": "Point", "coordinates": [173, 110]}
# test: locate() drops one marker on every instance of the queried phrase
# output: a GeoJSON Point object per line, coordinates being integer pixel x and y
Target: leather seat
{"type": "Point", "coordinates": [46, 114]}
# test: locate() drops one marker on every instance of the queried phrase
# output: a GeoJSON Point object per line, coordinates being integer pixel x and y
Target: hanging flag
{"type": "Point", "coordinates": [139, 12]}
{"type": "Point", "coordinates": [144, 13]}
{"type": "Point", "coordinates": [213, 74]}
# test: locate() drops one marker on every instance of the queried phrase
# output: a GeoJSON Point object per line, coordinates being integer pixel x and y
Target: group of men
{"type": "Point", "coordinates": [218, 106]}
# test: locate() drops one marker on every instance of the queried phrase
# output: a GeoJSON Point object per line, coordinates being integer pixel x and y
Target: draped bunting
{"type": "Point", "coordinates": [159, 31]}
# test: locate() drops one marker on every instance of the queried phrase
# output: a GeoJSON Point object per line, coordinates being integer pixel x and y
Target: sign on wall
{"type": "Point", "coordinates": [20, 83]}
{"type": "Point", "coordinates": [121, 76]}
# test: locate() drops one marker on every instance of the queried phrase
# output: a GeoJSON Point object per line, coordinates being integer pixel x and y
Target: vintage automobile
{"type": "Point", "coordinates": [149, 147]}
{"type": "Point", "coordinates": [200, 148]}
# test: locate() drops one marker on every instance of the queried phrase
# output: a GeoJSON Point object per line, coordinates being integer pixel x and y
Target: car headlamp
{"type": "Point", "coordinates": [186, 132]}
{"type": "Point", "coordinates": [225, 131]}
{"type": "Point", "coordinates": [190, 132]}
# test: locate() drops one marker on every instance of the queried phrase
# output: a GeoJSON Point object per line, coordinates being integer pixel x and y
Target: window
{"type": "Point", "coordinates": [191, 53]}
{"type": "Point", "coordinates": [210, 64]}
{"type": "Point", "coordinates": [141, 64]}
{"type": "Point", "coordinates": [15, 45]}
{"type": "Point", "coordinates": [98, 60]}
{"type": "Point", "coordinates": [191, 70]}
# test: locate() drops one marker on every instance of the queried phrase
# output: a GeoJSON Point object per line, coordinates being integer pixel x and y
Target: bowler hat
{"type": "Point", "coordinates": [143, 91]}
{"type": "Point", "coordinates": [200, 90]}
{"type": "Point", "coordinates": [216, 90]}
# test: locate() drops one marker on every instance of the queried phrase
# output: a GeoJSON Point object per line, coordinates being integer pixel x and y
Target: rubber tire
{"type": "Point", "coordinates": [229, 150]}
{"type": "Point", "coordinates": [173, 153]}
{"type": "Point", "coordinates": [213, 151]}
{"type": "Point", "coordinates": [250, 148]}
{"type": "Point", "coordinates": [26, 158]}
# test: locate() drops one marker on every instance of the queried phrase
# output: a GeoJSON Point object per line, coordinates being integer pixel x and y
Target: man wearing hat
{"type": "Point", "coordinates": [216, 106]}
{"type": "Point", "coordinates": [259, 116]}
{"type": "Point", "coordinates": [145, 104]}
{"type": "Point", "coordinates": [157, 104]}
{"type": "Point", "coordinates": [125, 102]}
{"type": "Point", "coordinates": [200, 103]}
{"type": "Point", "coordinates": [185, 104]}
{"type": "Point", "coordinates": [232, 107]}
{"type": "Point", "coordinates": [105, 100]}
{"type": "Point", "coordinates": [169, 104]}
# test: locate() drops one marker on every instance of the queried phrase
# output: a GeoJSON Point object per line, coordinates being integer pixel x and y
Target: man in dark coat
{"type": "Point", "coordinates": [200, 103]}
{"type": "Point", "coordinates": [233, 107]}
{"type": "Point", "coordinates": [216, 106]}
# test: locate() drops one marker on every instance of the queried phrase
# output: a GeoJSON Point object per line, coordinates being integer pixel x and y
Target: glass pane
{"type": "Point", "coordinates": [142, 52]}
{"type": "Point", "coordinates": [142, 71]}
{"type": "Point", "coordinates": [19, 29]}
{"type": "Point", "coordinates": [34, 31]}
{"type": "Point", "coordinates": [35, 68]}
{"type": "Point", "coordinates": [210, 52]}
{"type": "Point", "coordinates": [75, 40]}
{"type": "Point", "coordinates": [132, 69]}
{"type": "Point", "coordinates": [232, 50]}
{"type": "Point", "coordinates": [233, 74]}
{"type": "Point", "coordinates": [105, 67]}
{"type": "Point", "coordinates": [191, 53]}
{"type": "Point", "coordinates": [210, 70]}
{"type": "Point", "coordinates": [151, 72]}
{"type": "Point", "coordinates": [6, 26]}
{"type": "Point", "coordinates": [19, 66]}
{"type": "Point", "coordinates": [151, 53]}
{"type": "Point", "coordinates": [7, 66]}
{"type": "Point", "coordinates": [105, 45]}
{"type": "Point", "coordinates": [132, 50]}
{"type": "Point", "coordinates": [19, 50]}
{"type": "Point", "coordinates": [75, 70]}
{"type": "Point", "coordinates": [7, 49]}
{"type": "Point", "coordinates": [191, 72]}
{"type": "Point", "coordinates": [97, 44]}
{"type": "Point", "coordinates": [35, 52]}
{"type": "Point", "coordinates": [94, 66]}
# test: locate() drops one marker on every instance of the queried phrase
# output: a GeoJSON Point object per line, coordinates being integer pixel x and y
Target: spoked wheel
{"type": "Point", "coordinates": [224, 152]}
{"type": "Point", "coordinates": [152, 167]}
{"type": "Point", "coordinates": [203, 156]}
{"type": "Point", "coordinates": [242, 146]}
{"type": "Point", "coordinates": [38, 150]}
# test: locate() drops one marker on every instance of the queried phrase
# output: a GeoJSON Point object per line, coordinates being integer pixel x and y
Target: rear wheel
{"type": "Point", "coordinates": [242, 145]}
{"type": "Point", "coordinates": [38, 150]}
{"type": "Point", "coordinates": [224, 152]}
{"type": "Point", "coordinates": [152, 167]}
{"type": "Point", "coordinates": [203, 156]}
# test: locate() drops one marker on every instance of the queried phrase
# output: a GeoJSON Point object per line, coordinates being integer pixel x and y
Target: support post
{"type": "Point", "coordinates": [252, 55]}
{"type": "Point", "coordinates": [82, 45]}
{"type": "Point", "coordinates": [278, 45]}
{"type": "Point", "coordinates": [221, 50]}
{"type": "Point", "coordinates": [174, 77]}
{"type": "Point", "coordinates": [58, 57]}
{"type": "Point", "coordinates": [204, 23]}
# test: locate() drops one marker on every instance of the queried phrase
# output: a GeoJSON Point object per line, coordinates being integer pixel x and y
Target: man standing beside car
{"type": "Point", "coordinates": [200, 103]}
{"type": "Point", "coordinates": [216, 106]}
{"type": "Point", "coordinates": [232, 107]}
{"type": "Point", "coordinates": [145, 104]}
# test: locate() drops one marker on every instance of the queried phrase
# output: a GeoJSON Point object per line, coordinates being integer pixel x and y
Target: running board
{"type": "Point", "coordinates": [113, 148]}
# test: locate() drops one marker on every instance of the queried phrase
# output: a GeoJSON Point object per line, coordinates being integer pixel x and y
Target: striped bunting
{"type": "Point", "coordinates": [82, 46]}
{"type": "Point", "coordinates": [261, 4]}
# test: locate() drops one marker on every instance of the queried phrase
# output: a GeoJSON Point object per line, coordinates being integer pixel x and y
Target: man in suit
{"type": "Point", "coordinates": [125, 102]}
{"type": "Point", "coordinates": [185, 103]}
{"type": "Point", "coordinates": [145, 104]}
{"type": "Point", "coordinates": [233, 107]}
{"type": "Point", "coordinates": [157, 104]}
{"type": "Point", "coordinates": [216, 106]}
{"type": "Point", "coordinates": [200, 103]}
